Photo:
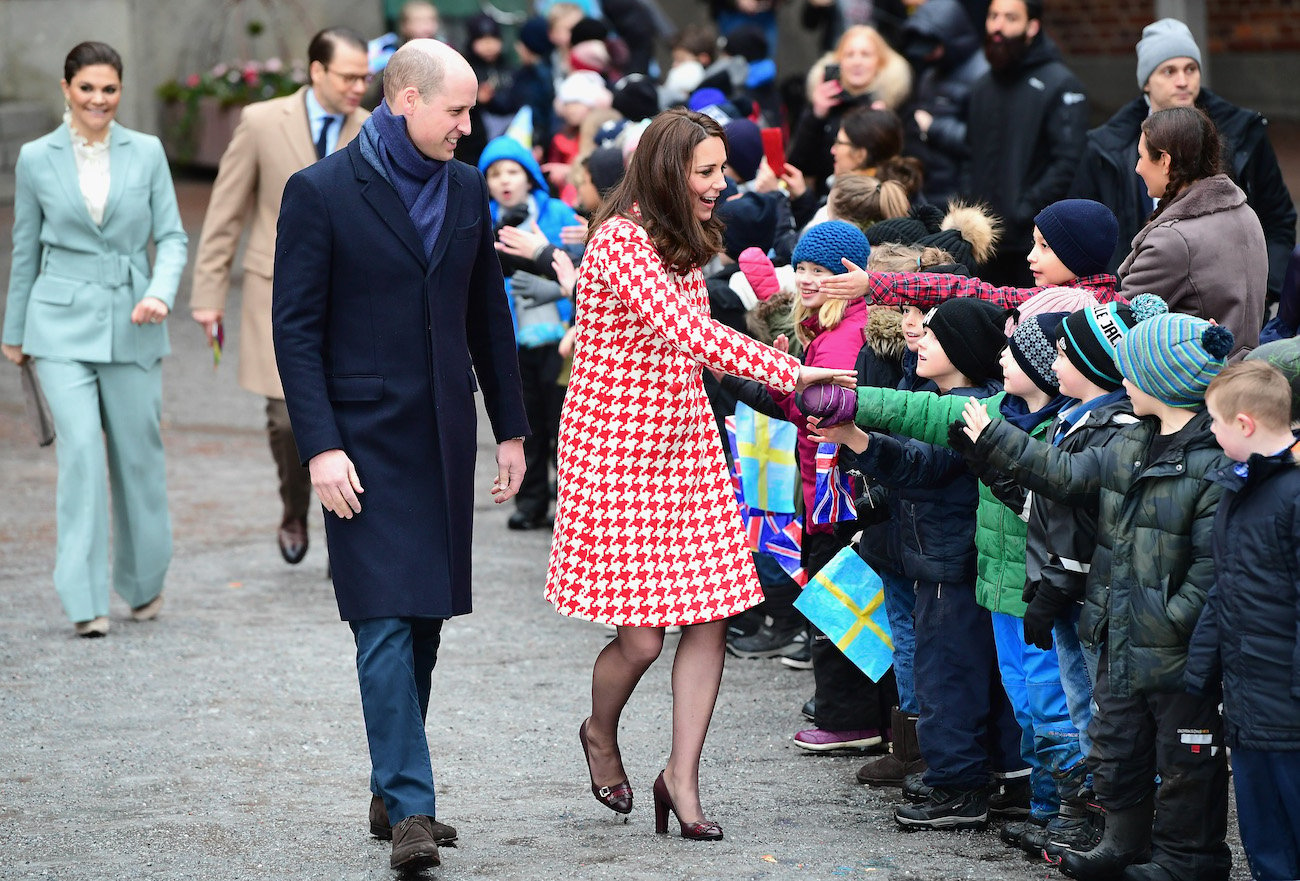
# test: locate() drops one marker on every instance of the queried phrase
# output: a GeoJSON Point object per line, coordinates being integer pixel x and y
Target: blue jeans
{"type": "Point", "coordinates": [1078, 665]}
{"type": "Point", "coordinates": [1268, 811]}
{"type": "Point", "coordinates": [966, 730]}
{"type": "Point", "coordinates": [1049, 743]}
{"type": "Point", "coordinates": [395, 659]}
{"type": "Point", "coordinates": [900, 604]}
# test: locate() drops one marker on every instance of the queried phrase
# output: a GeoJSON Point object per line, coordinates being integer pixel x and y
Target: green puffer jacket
{"type": "Point", "coordinates": [1153, 566]}
{"type": "Point", "coordinates": [999, 531]}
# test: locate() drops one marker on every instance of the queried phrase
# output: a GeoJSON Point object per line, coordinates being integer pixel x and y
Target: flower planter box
{"type": "Point", "coordinates": [200, 140]}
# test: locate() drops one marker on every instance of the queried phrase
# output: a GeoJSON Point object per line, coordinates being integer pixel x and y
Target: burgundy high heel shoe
{"type": "Point", "coordinates": [617, 797]}
{"type": "Point", "coordinates": [704, 830]}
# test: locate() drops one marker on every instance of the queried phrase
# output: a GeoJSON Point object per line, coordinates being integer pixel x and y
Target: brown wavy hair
{"type": "Point", "coordinates": [1194, 146]}
{"type": "Point", "coordinates": [880, 134]}
{"type": "Point", "coordinates": [657, 182]}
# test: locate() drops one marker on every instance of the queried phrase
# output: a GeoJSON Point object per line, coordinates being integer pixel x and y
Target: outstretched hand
{"type": "Point", "coordinates": [976, 419]}
{"type": "Point", "coordinates": [851, 285]}
{"type": "Point", "coordinates": [817, 375]}
{"type": "Point", "coordinates": [846, 434]}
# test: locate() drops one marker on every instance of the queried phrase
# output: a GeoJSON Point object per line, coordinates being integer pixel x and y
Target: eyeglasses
{"type": "Point", "coordinates": [840, 142]}
{"type": "Point", "coordinates": [352, 79]}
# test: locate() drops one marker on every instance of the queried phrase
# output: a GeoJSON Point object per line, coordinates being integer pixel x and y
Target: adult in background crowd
{"type": "Point", "coordinates": [871, 74]}
{"type": "Point", "coordinates": [1203, 250]}
{"type": "Point", "coordinates": [1033, 115]}
{"type": "Point", "coordinates": [944, 47]}
{"type": "Point", "coordinates": [83, 303]}
{"type": "Point", "coordinates": [416, 20]}
{"type": "Point", "coordinates": [275, 139]}
{"type": "Point", "coordinates": [1169, 75]}
{"type": "Point", "coordinates": [389, 311]}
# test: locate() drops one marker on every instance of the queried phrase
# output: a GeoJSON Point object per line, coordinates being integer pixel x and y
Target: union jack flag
{"type": "Point", "coordinates": [833, 493]}
{"type": "Point", "coordinates": [782, 536]}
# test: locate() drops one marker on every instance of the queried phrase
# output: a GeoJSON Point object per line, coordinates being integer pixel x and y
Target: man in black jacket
{"type": "Point", "coordinates": [1169, 74]}
{"type": "Point", "coordinates": [1029, 116]}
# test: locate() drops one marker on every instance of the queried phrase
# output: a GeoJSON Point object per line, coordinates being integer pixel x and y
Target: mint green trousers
{"type": "Point", "coordinates": [110, 452]}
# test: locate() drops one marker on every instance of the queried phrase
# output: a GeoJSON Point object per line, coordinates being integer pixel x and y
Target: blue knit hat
{"type": "Point", "coordinates": [1173, 357]}
{"type": "Point", "coordinates": [1083, 233]}
{"type": "Point", "coordinates": [826, 243]}
{"type": "Point", "coordinates": [744, 147]}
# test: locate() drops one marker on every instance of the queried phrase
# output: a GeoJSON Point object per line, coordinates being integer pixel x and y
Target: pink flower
{"type": "Point", "coordinates": [250, 76]}
{"type": "Point", "coordinates": [192, 80]}
{"type": "Point", "coordinates": [274, 65]}
{"type": "Point", "coordinates": [219, 70]}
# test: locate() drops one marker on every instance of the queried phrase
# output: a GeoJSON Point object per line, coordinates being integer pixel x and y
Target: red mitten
{"type": "Point", "coordinates": [832, 404]}
{"type": "Point", "coordinates": [759, 272]}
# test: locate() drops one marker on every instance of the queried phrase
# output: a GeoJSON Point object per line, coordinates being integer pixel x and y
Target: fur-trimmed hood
{"type": "Point", "coordinates": [884, 333]}
{"type": "Point", "coordinates": [892, 85]}
{"type": "Point", "coordinates": [773, 317]}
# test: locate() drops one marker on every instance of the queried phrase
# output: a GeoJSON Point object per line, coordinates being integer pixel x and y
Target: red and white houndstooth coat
{"type": "Point", "coordinates": [646, 528]}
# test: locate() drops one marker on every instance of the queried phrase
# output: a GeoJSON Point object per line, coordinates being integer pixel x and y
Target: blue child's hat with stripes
{"type": "Point", "coordinates": [1173, 357]}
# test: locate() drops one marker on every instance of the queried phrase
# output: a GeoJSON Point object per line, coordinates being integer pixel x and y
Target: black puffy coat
{"type": "Point", "coordinates": [1107, 175]}
{"type": "Point", "coordinates": [1249, 631]}
{"type": "Point", "coordinates": [1026, 138]}
{"type": "Point", "coordinates": [943, 89]}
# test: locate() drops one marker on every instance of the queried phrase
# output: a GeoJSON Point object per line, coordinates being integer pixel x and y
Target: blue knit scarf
{"type": "Point", "coordinates": [421, 182]}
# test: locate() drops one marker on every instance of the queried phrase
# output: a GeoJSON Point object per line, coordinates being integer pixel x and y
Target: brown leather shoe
{"type": "Point", "coordinates": [442, 833]}
{"type": "Point", "coordinates": [413, 844]}
{"type": "Point", "coordinates": [292, 536]}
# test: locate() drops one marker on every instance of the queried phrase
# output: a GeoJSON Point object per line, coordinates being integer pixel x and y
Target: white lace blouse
{"type": "Point", "coordinates": [92, 169]}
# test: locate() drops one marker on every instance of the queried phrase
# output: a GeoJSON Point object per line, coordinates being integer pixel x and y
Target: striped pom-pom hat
{"type": "Point", "coordinates": [1173, 357]}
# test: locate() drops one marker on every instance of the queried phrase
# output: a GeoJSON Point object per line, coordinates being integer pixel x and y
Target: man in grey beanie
{"type": "Point", "coordinates": [1169, 75]}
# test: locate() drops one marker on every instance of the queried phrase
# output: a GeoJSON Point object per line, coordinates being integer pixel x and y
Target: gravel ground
{"type": "Point", "coordinates": [225, 740]}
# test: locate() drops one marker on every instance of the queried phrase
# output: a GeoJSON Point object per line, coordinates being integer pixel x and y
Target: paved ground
{"type": "Point", "coordinates": [224, 740]}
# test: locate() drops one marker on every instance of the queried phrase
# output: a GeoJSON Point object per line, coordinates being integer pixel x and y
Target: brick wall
{"type": "Point", "coordinates": [1113, 27]}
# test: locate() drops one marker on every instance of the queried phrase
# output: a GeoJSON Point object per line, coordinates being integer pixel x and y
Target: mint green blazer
{"type": "Point", "coordinates": [73, 284]}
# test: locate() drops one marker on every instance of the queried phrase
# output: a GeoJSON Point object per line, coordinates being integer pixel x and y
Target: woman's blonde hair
{"type": "Point", "coordinates": [892, 83]}
{"type": "Point", "coordinates": [897, 257]}
{"type": "Point", "coordinates": [862, 200]}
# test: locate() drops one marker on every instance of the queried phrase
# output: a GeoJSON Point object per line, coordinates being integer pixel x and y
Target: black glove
{"type": "Point", "coordinates": [532, 290]}
{"type": "Point", "coordinates": [873, 505]}
{"type": "Point", "coordinates": [1041, 615]}
{"type": "Point", "coordinates": [965, 447]}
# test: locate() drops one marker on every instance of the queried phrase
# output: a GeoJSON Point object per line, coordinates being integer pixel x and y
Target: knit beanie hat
{"type": "Point", "coordinates": [535, 37]}
{"type": "Point", "coordinates": [903, 230]}
{"type": "Point", "coordinates": [1053, 299]}
{"type": "Point", "coordinates": [1162, 40]}
{"type": "Point", "coordinates": [1083, 233]}
{"type": "Point", "coordinates": [747, 41]}
{"type": "Point", "coordinates": [950, 240]}
{"type": "Point", "coordinates": [605, 168]}
{"type": "Point", "coordinates": [588, 29]}
{"type": "Point", "coordinates": [1034, 348]}
{"type": "Point", "coordinates": [826, 243]}
{"type": "Point", "coordinates": [970, 332]}
{"type": "Point", "coordinates": [1173, 357]}
{"type": "Point", "coordinates": [482, 25]}
{"type": "Point", "coordinates": [636, 97]}
{"type": "Point", "coordinates": [702, 98]}
{"type": "Point", "coordinates": [744, 147]}
{"type": "Point", "coordinates": [1089, 336]}
{"type": "Point", "coordinates": [1285, 356]}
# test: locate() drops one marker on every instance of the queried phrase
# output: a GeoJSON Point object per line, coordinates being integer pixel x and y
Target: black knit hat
{"type": "Point", "coordinates": [951, 241]}
{"type": "Point", "coordinates": [535, 37]}
{"type": "Point", "coordinates": [482, 25]}
{"type": "Point", "coordinates": [636, 97]}
{"type": "Point", "coordinates": [605, 168]}
{"type": "Point", "coordinates": [1090, 335]}
{"type": "Point", "coordinates": [900, 230]}
{"type": "Point", "coordinates": [588, 29]}
{"type": "Point", "coordinates": [1083, 233]}
{"type": "Point", "coordinates": [746, 40]}
{"type": "Point", "coordinates": [1033, 345]}
{"type": "Point", "coordinates": [970, 332]}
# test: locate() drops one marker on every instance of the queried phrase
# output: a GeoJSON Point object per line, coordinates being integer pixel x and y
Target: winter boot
{"type": "Point", "coordinates": [1072, 829]}
{"type": "Point", "coordinates": [947, 809]}
{"type": "Point", "coordinates": [1011, 798]}
{"type": "Point", "coordinates": [1127, 840]}
{"type": "Point", "coordinates": [915, 789]}
{"type": "Point", "coordinates": [1148, 872]}
{"type": "Point", "coordinates": [889, 770]}
{"type": "Point", "coordinates": [1013, 833]}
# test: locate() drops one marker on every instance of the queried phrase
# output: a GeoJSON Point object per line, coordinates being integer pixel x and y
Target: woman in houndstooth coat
{"type": "Point", "coordinates": [647, 533]}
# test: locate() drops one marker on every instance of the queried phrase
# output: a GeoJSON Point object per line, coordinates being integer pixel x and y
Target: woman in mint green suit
{"type": "Point", "coordinates": [85, 306]}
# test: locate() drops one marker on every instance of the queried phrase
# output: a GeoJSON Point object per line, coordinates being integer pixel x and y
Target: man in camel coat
{"type": "Point", "coordinates": [275, 139]}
